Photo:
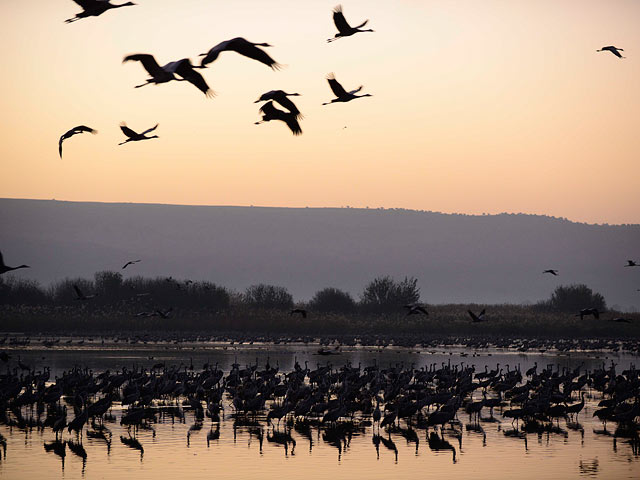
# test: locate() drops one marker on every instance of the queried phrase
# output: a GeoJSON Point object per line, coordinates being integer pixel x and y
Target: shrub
{"type": "Point", "coordinates": [332, 300]}
{"type": "Point", "coordinates": [568, 298]}
{"type": "Point", "coordinates": [384, 294]}
{"type": "Point", "coordinates": [268, 296]}
{"type": "Point", "coordinates": [19, 291]}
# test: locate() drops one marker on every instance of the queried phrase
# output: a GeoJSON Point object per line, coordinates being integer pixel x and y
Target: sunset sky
{"type": "Point", "coordinates": [479, 106]}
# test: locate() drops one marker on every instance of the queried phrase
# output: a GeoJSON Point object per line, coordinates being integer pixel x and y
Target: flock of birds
{"type": "Point", "coordinates": [184, 71]}
{"type": "Point", "coordinates": [337, 403]}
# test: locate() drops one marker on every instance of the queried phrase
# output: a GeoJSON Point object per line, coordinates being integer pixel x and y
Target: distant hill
{"type": "Point", "coordinates": [457, 258]}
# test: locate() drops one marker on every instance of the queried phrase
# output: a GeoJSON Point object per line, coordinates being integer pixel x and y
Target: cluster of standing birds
{"type": "Point", "coordinates": [184, 71]}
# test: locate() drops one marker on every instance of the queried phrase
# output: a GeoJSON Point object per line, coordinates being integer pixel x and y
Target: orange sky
{"type": "Point", "coordinates": [478, 106]}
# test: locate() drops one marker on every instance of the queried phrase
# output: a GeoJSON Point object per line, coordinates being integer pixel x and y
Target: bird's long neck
{"type": "Point", "coordinates": [16, 268]}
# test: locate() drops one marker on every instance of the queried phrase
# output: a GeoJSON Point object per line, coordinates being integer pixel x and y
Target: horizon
{"type": "Point", "coordinates": [327, 207]}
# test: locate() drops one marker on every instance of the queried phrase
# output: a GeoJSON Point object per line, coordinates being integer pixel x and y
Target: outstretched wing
{"type": "Point", "coordinates": [352, 92]}
{"type": "Point", "coordinates": [78, 292]}
{"type": "Point", "coordinates": [150, 129]}
{"type": "Point", "coordinates": [148, 62]}
{"type": "Point", "coordinates": [336, 88]}
{"type": "Point", "coordinates": [288, 104]}
{"type": "Point", "coordinates": [127, 131]}
{"type": "Point", "coordinates": [212, 55]}
{"type": "Point", "coordinates": [294, 126]}
{"type": "Point", "coordinates": [338, 18]}
{"type": "Point", "coordinates": [473, 316]}
{"type": "Point", "coordinates": [1, 259]}
{"type": "Point", "coordinates": [60, 144]}
{"type": "Point", "coordinates": [86, 4]}
{"type": "Point", "coordinates": [269, 109]}
{"type": "Point", "coordinates": [251, 51]}
{"type": "Point", "coordinates": [186, 71]}
{"type": "Point", "coordinates": [84, 128]}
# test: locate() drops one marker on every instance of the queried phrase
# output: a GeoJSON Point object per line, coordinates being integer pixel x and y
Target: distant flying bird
{"type": "Point", "coordinates": [300, 311]}
{"type": "Point", "coordinates": [341, 94]}
{"type": "Point", "coordinates": [94, 8]}
{"type": "Point", "coordinates": [136, 137]}
{"type": "Point", "coordinates": [72, 132]}
{"type": "Point", "coordinates": [160, 313]}
{"type": "Point", "coordinates": [4, 268]}
{"type": "Point", "coordinates": [631, 263]}
{"type": "Point", "coordinates": [280, 96]}
{"type": "Point", "coordinates": [243, 47]}
{"type": "Point", "coordinates": [551, 271]}
{"type": "Point", "coordinates": [588, 311]}
{"type": "Point", "coordinates": [477, 318]}
{"type": "Point", "coordinates": [183, 68]}
{"type": "Point", "coordinates": [415, 309]}
{"type": "Point", "coordinates": [615, 50]}
{"type": "Point", "coordinates": [344, 29]}
{"type": "Point", "coordinates": [621, 320]}
{"type": "Point", "coordinates": [269, 112]}
{"type": "Point", "coordinates": [82, 296]}
{"type": "Point", "coordinates": [130, 262]}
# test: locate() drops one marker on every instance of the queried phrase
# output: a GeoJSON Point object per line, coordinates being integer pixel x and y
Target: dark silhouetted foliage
{"type": "Point", "coordinates": [18, 291]}
{"type": "Point", "coordinates": [384, 294]}
{"type": "Point", "coordinates": [332, 300]}
{"type": "Point", "coordinates": [572, 298]}
{"type": "Point", "coordinates": [268, 297]}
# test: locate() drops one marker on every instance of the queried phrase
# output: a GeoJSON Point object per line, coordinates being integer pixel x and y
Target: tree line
{"type": "Point", "coordinates": [382, 295]}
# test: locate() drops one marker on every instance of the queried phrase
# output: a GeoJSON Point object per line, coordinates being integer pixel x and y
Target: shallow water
{"type": "Point", "coordinates": [170, 452]}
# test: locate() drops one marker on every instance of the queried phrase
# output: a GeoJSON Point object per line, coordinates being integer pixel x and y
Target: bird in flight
{"type": "Point", "coordinates": [281, 97]}
{"type": "Point", "coordinates": [551, 271]}
{"type": "Point", "coordinates": [94, 8]}
{"type": "Point", "coordinates": [5, 268]}
{"type": "Point", "coordinates": [477, 318]}
{"type": "Point", "coordinates": [130, 262]}
{"type": "Point", "coordinates": [415, 309]}
{"type": "Point", "coordinates": [134, 136]}
{"type": "Point", "coordinates": [615, 50]}
{"type": "Point", "coordinates": [341, 94]}
{"type": "Point", "coordinates": [82, 296]}
{"type": "Point", "coordinates": [183, 68]}
{"type": "Point", "coordinates": [243, 47]}
{"type": "Point", "coordinates": [72, 132]}
{"type": "Point", "coordinates": [344, 29]}
{"type": "Point", "coordinates": [300, 311]}
{"type": "Point", "coordinates": [632, 263]}
{"type": "Point", "coordinates": [270, 112]}
{"type": "Point", "coordinates": [588, 311]}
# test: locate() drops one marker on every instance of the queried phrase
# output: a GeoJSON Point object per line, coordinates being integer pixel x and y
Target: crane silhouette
{"type": "Point", "coordinates": [134, 136]}
{"type": "Point", "coordinates": [82, 296]}
{"type": "Point", "coordinates": [631, 263]}
{"type": "Point", "coordinates": [341, 94]}
{"type": "Point", "coordinates": [72, 132]}
{"type": "Point", "coordinates": [5, 268]}
{"type": "Point", "coordinates": [552, 272]}
{"type": "Point", "coordinates": [94, 8]}
{"type": "Point", "coordinates": [281, 97]}
{"type": "Point", "coordinates": [344, 29]}
{"type": "Point", "coordinates": [243, 47]}
{"type": "Point", "coordinates": [270, 112]}
{"type": "Point", "coordinates": [183, 68]}
{"type": "Point", "coordinates": [615, 50]}
{"type": "Point", "coordinates": [130, 262]}
{"type": "Point", "coordinates": [477, 318]}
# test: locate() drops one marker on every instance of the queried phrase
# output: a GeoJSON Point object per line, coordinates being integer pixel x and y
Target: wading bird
{"type": "Point", "coordinates": [280, 96]}
{"type": "Point", "coordinates": [72, 132]}
{"type": "Point", "coordinates": [136, 137]}
{"type": "Point", "coordinates": [130, 262]}
{"type": "Point", "coordinates": [344, 29]}
{"type": "Point", "coordinates": [94, 8]}
{"type": "Point", "coordinates": [243, 47]}
{"type": "Point", "coordinates": [341, 94]}
{"type": "Point", "coordinates": [615, 50]}
{"type": "Point", "coordinates": [477, 318]}
{"type": "Point", "coordinates": [269, 112]}
{"type": "Point", "coordinates": [5, 268]}
{"type": "Point", "coordinates": [552, 272]}
{"type": "Point", "coordinates": [183, 68]}
{"type": "Point", "coordinates": [631, 263]}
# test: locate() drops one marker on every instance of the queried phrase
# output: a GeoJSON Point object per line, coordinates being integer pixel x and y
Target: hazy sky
{"type": "Point", "coordinates": [479, 106]}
